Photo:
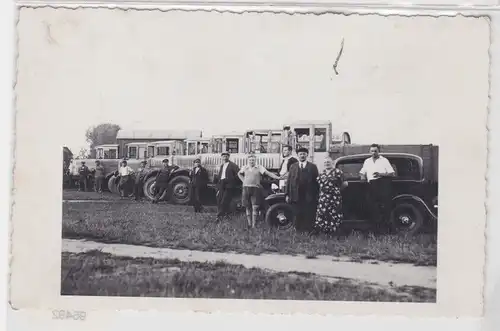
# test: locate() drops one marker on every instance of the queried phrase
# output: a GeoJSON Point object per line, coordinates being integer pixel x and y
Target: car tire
{"type": "Point", "coordinates": [273, 219]}
{"type": "Point", "coordinates": [179, 190]}
{"type": "Point", "coordinates": [406, 218]}
{"type": "Point", "coordinates": [148, 189]}
{"type": "Point", "coordinates": [112, 185]}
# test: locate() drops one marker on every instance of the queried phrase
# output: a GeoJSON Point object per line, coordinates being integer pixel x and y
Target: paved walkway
{"type": "Point", "coordinates": [381, 273]}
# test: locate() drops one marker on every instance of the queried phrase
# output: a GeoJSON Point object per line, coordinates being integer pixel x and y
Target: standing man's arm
{"type": "Point", "coordinates": [204, 176]}
{"type": "Point", "coordinates": [315, 174]}
{"type": "Point", "coordinates": [241, 174]}
{"type": "Point", "coordinates": [288, 185]}
{"type": "Point", "coordinates": [237, 170]}
{"type": "Point", "coordinates": [264, 171]}
{"type": "Point", "coordinates": [388, 169]}
{"type": "Point", "coordinates": [362, 172]}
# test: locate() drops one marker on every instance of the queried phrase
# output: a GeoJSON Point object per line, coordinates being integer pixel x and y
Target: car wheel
{"type": "Point", "coordinates": [112, 185]}
{"type": "Point", "coordinates": [149, 189]}
{"type": "Point", "coordinates": [280, 216]}
{"type": "Point", "coordinates": [406, 218]}
{"type": "Point", "coordinates": [180, 190]}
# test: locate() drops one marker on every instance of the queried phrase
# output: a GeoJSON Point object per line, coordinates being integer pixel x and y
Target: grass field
{"type": "Point", "coordinates": [163, 225]}
{"type": "Point", "coordinates": [96, 273]}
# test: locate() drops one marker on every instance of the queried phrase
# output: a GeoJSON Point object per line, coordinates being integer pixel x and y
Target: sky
{"type": "Point", "coordinates": [238, 72]}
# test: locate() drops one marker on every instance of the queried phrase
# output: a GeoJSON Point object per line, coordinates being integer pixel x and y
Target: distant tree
{"type": "Point", "coordinates": [83, 154]}
{"type": "Point", "coordinates": [104, 133]}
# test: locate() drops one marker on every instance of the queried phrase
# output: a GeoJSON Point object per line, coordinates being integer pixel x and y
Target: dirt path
{"type": "Point", "coordinates": [378, 272]}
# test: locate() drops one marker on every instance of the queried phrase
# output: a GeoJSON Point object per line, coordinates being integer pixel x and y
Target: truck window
{"type": "Point", "coordinates": [162, 151]}
{"type": "Point", "coordinates": [232, 146]}
{"type": "Point", "coordinates": [302, 138]}
{"type": "Point", "coordinates": [274, 144]}
{"type": "Point", "coordinates": [151, 151]}
{"type": "Point", "coordinates": [132, 152]}
{"type": "Point", "coordinates": [203, 148]}
{"type": "Point", "coordinates": [191, 148]}
{"type": "Point", "coordinates": [111, 154]}
{"type": "Point", "coordinates": [320, 140]}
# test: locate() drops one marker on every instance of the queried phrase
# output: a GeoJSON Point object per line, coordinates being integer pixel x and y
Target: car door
{"type": "Point", "coordinates": [354, 202]}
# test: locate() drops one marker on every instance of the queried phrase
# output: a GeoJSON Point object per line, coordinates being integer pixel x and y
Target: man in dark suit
{"type": "Point", "coordinates": [198, 180]}
{"type": "Point", "coordinates": [227, 182]}
{"type": "Point", "coordinates": [302, 189]}
{"type": "Point", "coordinates": [287, 162]}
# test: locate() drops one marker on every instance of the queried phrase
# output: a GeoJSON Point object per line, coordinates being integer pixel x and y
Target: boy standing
{"type": "Point", "coordinates": [251, 175]}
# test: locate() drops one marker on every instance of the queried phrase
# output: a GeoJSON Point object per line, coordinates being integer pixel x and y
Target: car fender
{"type": "Point", "coordinates": [275, 198]}
{"type": "Point", "coordinates": [150, 174]}
{"type": "Point", "coordinates": [179, 172]}
{"type": "Point", "coordinates": [419, 201]}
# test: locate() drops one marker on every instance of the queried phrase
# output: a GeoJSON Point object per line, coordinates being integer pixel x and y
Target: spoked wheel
{"type": "Point", "coordinates": [280, 216]}
{"type": "Point", "coordinates": [406, 218]}
{"type": "Point", "coordinates": [180, 190]}
{"type": "Point", "coordinates": [149, 189]}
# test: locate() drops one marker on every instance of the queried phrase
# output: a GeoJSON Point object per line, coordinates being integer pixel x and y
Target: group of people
{"type": "Point", "coordinates": [316, 196]}
{"type": "Point", "coordinates": [85, 177]}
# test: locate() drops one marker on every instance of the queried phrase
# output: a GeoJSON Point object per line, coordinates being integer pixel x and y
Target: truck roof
{"type": "Point", "coordinates": [158, 134]}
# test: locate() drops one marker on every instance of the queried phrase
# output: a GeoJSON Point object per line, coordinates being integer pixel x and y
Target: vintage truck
{"type": "Point", "coordinates": [181, 149]}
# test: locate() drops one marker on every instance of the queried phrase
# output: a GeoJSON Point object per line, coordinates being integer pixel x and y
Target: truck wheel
{"type": "Point", "coordinates": [112, 185]}
{"type": "Point", "coordinates": [406, 218]}
{"type": "Point", "coordinates": [179, 190]}
{"type": "Point", "coordinates": [149, 189]}
{"type": "Point", "coordinates": [280, 216]}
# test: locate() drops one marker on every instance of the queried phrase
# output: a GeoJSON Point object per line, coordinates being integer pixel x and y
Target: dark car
{"type": "Point", "coordinates": [414, 196]}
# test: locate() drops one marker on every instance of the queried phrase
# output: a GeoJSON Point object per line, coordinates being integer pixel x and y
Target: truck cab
{"type": "Point", "coordinates": [317, 137]}
{"type": "Point", "coordinates": [106, 152]}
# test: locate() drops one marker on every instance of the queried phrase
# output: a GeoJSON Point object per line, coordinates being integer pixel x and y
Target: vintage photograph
{"type": "Point", "coordinates": [300, 212]}
{"type": "Point", "coordinates": [262, 162]}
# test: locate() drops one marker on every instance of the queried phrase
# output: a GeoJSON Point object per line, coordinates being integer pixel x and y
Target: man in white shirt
{"type": "Point", "coordinates": [376, 171]}
{"type": "Point", "coordinates": [124, 172]}
{"type": "Point", "coordinates": [288, 160]}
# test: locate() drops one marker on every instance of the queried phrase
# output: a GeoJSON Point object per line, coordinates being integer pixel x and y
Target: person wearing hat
{"type": "Point", "coordinates": [84, 172]}
{"type": "Point", "coordinates": [124, 172]}
{"type": "Point", "coordinates": [252, 195]}
{"type": "Point", "coordinates": [139, 181]}
{"type": "Point", "coordinates": [302, 189]}
{"type": "Point", "coordinates": [198, 179]}
{"type": "Point", "coordinates": [162, 180]}
{"type": "Point", "coordinates": [227, 183]}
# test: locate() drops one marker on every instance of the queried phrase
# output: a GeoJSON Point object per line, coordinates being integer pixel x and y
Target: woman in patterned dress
{"type": "Point", "coordinates": [329, 211]}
